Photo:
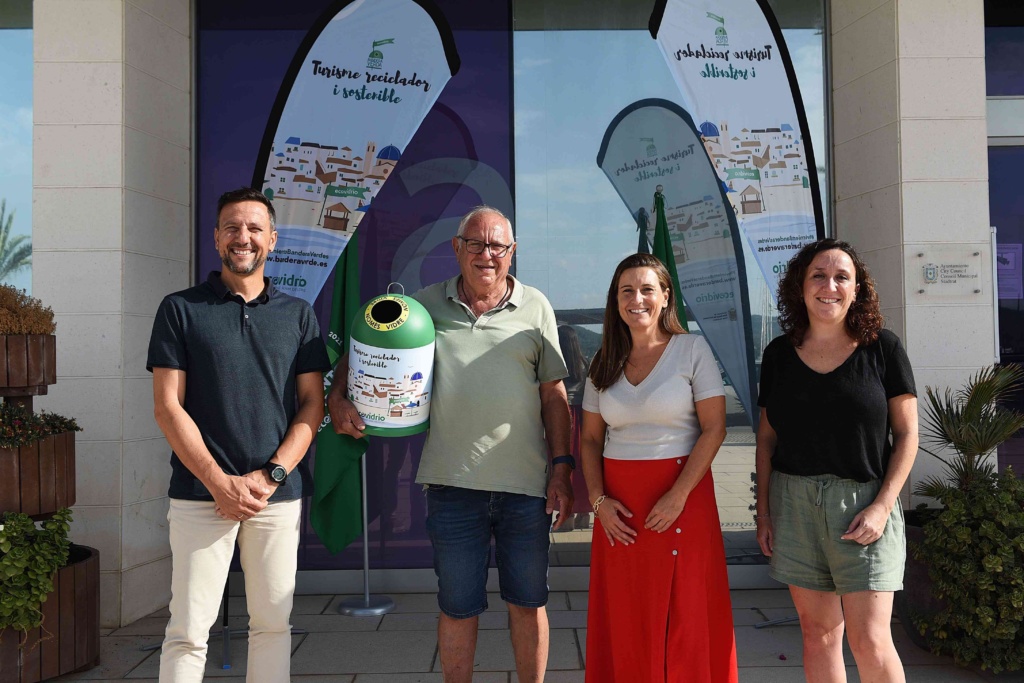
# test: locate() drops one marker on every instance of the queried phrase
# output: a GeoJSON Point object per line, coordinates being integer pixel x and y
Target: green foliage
{"type": "Point", "coordinates": [20, 427]}
{"type": "Point", "coordinates": [15, 250]}
{"type": "Point", "coordinates": [974, 545]}
{"type": "Point", "coordinates": [29, 557]}
{"type": "Point", "coordinates": [974, 550]}
{"type": "Point", "coordinates": [972, 422]}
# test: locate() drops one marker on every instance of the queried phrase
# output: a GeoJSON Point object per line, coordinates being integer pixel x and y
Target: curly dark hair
{"type": "Point", "coordinates": [863, 320]}
{"type": "Point", "coordinates": [616, 341]}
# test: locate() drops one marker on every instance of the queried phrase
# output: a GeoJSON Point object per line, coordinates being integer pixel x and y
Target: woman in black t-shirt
{"type": "Point", "coordinates": [833, 388]}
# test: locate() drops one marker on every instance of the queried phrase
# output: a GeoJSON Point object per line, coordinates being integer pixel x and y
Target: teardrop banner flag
{"type": "Point", "coordinates": [652, 155]}
{"type": "Point", "coordinates": [736, 78]}
{"type": "Point", "coordinates": [354, 95]}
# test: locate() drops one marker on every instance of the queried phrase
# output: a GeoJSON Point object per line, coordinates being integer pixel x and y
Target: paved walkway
{"type": "Point", "coordinates": [401, 648]}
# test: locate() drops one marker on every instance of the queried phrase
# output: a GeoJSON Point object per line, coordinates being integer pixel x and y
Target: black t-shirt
{"type": "Point", "coordinates": [838, 422]}
{"type": "Point", "coordinates": [241, 360]}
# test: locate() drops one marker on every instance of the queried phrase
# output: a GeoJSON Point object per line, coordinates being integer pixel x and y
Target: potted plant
{"type": "Point", "coordinates": [49, 588]}
{"type": "Point", "coordinates": [965, 573]}
{"type": "Point", "coordinates": [28, 347]}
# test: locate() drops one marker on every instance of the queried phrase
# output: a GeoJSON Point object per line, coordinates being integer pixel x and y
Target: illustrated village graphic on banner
{"type": "Point", "coordinates": [357, 90]}
{"type": "Point", "coordinates": [652, 146]}
{"type": "Point", "coordinates": [738, 85]}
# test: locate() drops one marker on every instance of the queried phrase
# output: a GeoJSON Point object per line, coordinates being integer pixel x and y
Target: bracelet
{"type": "Point", "coordinates": [597, 503]}
{"type": "Point", "coordinates": [765, 516]}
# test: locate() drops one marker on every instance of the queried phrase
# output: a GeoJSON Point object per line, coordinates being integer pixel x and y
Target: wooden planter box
{"type": "Point", "coordinates": [28, 363]}
{"type": "Point", "coordinates": [38, 479]}
{"type": "Point", "coordinates": [71, 615]}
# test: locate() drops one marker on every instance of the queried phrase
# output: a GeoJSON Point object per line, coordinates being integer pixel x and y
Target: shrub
{"type": "Point", "coordinates": [20, 427]}
{"type": "Point", "coordinates": [29, 557]}
{"type": "Point", "coordinates": [974, 549]}
{"type": "Point", "coordinates": [22, 314]}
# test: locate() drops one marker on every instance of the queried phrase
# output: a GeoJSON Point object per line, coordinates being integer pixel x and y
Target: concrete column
{"type": "Point", "coordinates": [112, 235]}
{"type": "Point", "coordinates": [911, 171]}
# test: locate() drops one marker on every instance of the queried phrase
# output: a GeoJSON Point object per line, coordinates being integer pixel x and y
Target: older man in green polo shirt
{"type": "Point", "coordinates": [499, 410]}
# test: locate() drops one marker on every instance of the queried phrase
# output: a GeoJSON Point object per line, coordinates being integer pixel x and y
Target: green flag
{"type": "Point", "coordinates": [336, 513]}
{"type": "Point", "coordinates": [663, 250]}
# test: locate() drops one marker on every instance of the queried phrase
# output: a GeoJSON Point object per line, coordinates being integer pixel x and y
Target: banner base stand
{"type": "Point", "coordinates": [366, 606]}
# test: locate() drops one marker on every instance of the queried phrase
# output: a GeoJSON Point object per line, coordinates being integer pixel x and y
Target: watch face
{"type": "Point", "coordinates": [278, 474]}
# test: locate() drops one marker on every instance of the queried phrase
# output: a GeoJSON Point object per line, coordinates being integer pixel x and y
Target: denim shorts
{"type": "Point", "coordinates": [810, 514]}
{"type": "Point", "coordinates": [461, 522]}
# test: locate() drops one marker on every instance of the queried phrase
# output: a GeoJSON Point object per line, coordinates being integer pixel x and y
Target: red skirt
{"type": "Point", "coordinates": [659, 609]}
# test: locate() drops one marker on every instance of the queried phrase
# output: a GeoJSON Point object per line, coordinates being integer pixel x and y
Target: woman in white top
{"type": "Point", "coordinates": [653, 420]}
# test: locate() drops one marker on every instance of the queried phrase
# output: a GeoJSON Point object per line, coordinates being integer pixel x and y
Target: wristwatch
{"type": "Point", "coordinates": [564, 460]}
{"type": "Point", "coordinates": [277, 473]}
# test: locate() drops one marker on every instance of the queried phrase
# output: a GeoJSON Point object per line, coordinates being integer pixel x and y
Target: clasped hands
{"type": "Point", "coordinates": [613, 514]}
{"type": "Point", "coordinates": [238, 498]}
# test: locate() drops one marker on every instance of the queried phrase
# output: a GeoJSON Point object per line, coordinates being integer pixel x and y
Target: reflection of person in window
{"type": "Point", "coordinates": [643, 223]}
{"type": "Point", "coordinates": [577, 363]}
{"type": "Point", "coordinates": [653, 420]}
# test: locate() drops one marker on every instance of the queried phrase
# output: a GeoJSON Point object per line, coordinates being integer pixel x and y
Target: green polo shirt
{"type": "Point", "coordinates": [486, 430]}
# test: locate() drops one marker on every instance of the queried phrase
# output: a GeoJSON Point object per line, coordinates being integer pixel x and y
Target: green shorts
{"type": "Point", "coordinates": [810, 514]}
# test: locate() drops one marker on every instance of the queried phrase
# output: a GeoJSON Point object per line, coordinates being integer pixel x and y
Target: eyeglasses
{"type": "Point", "coordinates": [477, 247]}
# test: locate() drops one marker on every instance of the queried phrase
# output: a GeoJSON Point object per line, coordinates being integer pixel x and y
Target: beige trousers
{"type": "Point", "coordinates": [201, 548]}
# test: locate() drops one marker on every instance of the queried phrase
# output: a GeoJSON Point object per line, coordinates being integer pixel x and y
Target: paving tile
{"type": "Point", "coordinates": [558, 601]}
{"type": "Point", "coordinates": [238, 650]}
{"type": "Point", "coordinates": [336, 678]}
{"type": "Point", "coordinates": [422, 621]}
{"type": "Point", "coordinates": [773, 613]}
{"type": "Point", "coordinates": [768, 674]}
{"type": "Point", "coordinates": [761, 598]}
{"type": "Point", "coordinates": [574, 619]}
{"type": "Point", "coordinates": [485, 677]}
{"type": "Point", "coordinates": [579, 600]}
{"type": "Point", "coordinates": [556, 677]}
{"type": "Point", "coordinates": [147, 626]}
{"type": "Point", "coordinates": [949, 674]}
{"type": "Point", "coordinates": [494, 651]}
{"type": "Point", "coordinates": [118, 656]}
{"type": "Point", "coordinates": [747, 617]}
{"type": "Point", "coordinates": [327, 623]}
{"type": "Point", "coordinates": [378, 652]}
{"type": "Point", "coordinates": [404, 603]}
{"type": "Point", "coordinates": [763, 647]}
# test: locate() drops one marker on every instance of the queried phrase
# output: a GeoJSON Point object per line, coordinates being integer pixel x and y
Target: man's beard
{"type": "Point", "coordinates": [237, 270]}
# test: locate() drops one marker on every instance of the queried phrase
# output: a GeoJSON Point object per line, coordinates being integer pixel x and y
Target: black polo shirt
{"type": "Point", "coordinates": [241, 360]}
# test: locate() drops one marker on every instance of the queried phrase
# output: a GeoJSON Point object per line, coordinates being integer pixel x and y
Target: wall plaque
{"type": "Point", "coordinates": [945, 273]}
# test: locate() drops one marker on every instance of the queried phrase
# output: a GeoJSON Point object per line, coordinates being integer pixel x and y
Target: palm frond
{"type": "Point", "coordinates": [972, 421]}
{"type": "Point", "coordinates": [15, 250]}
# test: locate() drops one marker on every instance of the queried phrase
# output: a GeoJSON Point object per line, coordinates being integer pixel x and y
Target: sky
{"type": "Point", "coordinates": [16, 135]}
{"type": "Point", "coordinates": [571, 225]}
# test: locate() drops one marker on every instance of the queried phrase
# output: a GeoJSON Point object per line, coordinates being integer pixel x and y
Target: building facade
{"type": "Point", "coordinates": [116, 222]}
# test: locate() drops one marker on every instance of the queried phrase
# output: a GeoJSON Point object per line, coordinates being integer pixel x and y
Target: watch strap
{"type": "Point", "coordinates": [564, 460]}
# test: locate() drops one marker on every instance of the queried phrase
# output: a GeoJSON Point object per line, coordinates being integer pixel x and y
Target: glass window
{"type": "Point", "coordinates": [576, 67]}
{"type": "Point", "coordinates": [16, 143]}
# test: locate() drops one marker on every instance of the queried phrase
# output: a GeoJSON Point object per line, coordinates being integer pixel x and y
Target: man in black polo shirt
{"type": "Point", "coordinates": [238, 387]}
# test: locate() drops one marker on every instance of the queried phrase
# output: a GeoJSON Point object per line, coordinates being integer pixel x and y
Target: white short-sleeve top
{"type": "Point", "coordinates": [656, 419]}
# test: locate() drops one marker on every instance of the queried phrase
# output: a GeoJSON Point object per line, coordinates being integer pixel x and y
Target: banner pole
{"type": "Point", "coordinates": [368, 605]}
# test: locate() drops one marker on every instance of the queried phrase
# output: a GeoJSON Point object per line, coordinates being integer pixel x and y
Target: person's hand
{"type": "Point", "coordinates": [868, 525]}
{"type": "Point", "coordinates": [344, 416]}
{"type": "Point", "coordinates": [765, 534]}
{"type": "Point", "coordinates": [239, 498]}
{"type": "Point", "coordinates": [560, 494]}
{"type": "Point", "coordinates": [611, 513]}
{"type": "Point", "coordinates": [665, 512]}
{"type": "Point", "coordinates": [260, 476]}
